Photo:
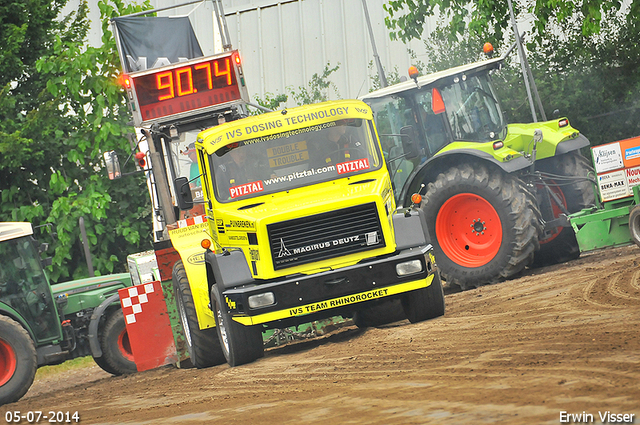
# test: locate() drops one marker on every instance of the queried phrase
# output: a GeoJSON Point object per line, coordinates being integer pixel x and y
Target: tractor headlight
{"type": "Point", "coordinates": [409, 267]}
{"type": "Point", "coordinates": [262, 300]}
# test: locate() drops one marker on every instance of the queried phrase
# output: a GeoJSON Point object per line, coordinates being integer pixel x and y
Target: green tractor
{"type": "Point", "coordinates": [46, 325]}
{"type": "Point", "coordinates": [495, 195]}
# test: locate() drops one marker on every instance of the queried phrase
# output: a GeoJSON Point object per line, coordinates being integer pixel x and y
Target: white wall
{"type": "Point", "coordinates": [283, 43]}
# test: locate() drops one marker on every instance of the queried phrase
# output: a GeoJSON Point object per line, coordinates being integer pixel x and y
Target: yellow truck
{"type": "Point", "coordinates": [299, 224]}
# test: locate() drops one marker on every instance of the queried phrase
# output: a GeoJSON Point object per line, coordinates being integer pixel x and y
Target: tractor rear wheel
{"type": "Point", "coordinates": [117, 357]}
{"type": "Point", "coordinates": [18, 361]}
{"type": "Point", "coordinates": [203, 345]}
{"type": "Point", "coordinates": [568, 177]}
{"type": "Point", "coordinates": [483, 222]}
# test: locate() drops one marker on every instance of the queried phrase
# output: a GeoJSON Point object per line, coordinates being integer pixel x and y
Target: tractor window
{"type": "Point", "coordinates": [473, 111]}
{"type": "Point", "coordinates": [432, 124]}
{"type": "Point", "coordinates": [25, 288]}
{"type": "Point", "coordinates": [391, 113]}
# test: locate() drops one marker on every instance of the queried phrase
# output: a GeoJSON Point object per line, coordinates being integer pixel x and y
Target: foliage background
{"type": "Point", "coordinates": [584, 55]}
{"type": "Point", "coordinates": [60, 108]}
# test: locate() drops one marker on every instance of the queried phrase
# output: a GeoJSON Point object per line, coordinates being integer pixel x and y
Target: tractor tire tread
{"type": "Point", "coordinates": [13, 334]}
{"type": "Point", "coordinates": [511, 196]}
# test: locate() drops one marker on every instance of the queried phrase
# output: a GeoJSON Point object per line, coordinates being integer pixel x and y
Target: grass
{"type": "Point", "coordinates": [78, 363]}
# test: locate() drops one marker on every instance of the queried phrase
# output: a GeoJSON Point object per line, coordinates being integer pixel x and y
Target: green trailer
{"type": "Point", "coordinates": [615, 220]}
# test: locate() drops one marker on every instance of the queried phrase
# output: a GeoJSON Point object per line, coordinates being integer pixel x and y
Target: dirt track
{"type": "Point", "coordinates": [561, 339]}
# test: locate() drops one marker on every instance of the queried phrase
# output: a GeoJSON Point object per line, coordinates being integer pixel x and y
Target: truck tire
{"type": "Point", "coordinates": [634, 224]}
{"type": "Point", "coordinates": [561, 245]}
{"type": "Point", "coordinates": [485, 224]}
{"type": "Point", "coordinates": [426, 303]}
{"type": "Point", "coordinates": [18, 361]}
{"type": "Point", "coordinates": [203, 345]}
{"type": "Point", "coordinates": [240, 344]}
{"type": "Point", "coordinates": [379, 314]}
{"type": "Point", "coordinates": [116, 349]}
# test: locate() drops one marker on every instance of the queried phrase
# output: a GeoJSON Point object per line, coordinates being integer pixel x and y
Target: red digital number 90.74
{"type": "Point", "coordinates": [184, 83]}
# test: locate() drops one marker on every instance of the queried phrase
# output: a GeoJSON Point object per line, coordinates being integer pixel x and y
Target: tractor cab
{"type": "Point", "coordinates": [24, 287]}
{"type": "Point", "coordinates": [456, 105]}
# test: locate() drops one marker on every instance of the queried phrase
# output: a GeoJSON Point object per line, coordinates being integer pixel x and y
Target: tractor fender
{"type": "Point", "coordinates": [94, 341]}
{"type": "Point", "coordinates": [573, 144]}
{"type": "Point", "coordinates": [5, 310]}
{"type": "Point", "coordinates": [429, 170]}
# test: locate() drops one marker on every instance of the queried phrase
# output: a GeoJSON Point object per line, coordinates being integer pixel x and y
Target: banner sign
{"type": "Point", "coordinates": [153, 42]}
{"type": "Point", "coordinates": [617, 165]}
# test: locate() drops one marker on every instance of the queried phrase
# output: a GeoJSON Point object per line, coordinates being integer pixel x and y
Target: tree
{"type": "Point", "coordinates": [591, 80]}
{"type": "Point", "coordinates": [316, 90]}
{"type": "Point", "coordinates": [490, 18]}
{"type": "Point", "coordinates": [60, 108]}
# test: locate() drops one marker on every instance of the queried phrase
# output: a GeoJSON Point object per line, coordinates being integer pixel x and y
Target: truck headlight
{"type": "Point", "coordinates": [262, 300]}
{"type": "Point", "coordinates": [409, 267]}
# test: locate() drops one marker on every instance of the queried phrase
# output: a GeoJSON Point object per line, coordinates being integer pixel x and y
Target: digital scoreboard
{"type": "Point", "coordinates": [204, 84]}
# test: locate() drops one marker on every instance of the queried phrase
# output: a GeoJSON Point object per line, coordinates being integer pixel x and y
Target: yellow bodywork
{"type": "Point", "coordinates": [186, 240]}
{"type": "Point", "coordinates": [243, 223]}
{"type": "Point", "coordinates": [336, 302]}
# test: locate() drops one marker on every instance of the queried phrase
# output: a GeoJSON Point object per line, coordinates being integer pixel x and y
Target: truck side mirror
{"type": "Point", "coordinates": [183, 193]}
{"type": "Point", "coordinates": [409, 142]}
{"type": "Point", "coordinates": [113, 165]}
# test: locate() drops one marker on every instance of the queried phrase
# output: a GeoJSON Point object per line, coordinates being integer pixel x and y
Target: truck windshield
{"type": "Point", "coordinates": [294, 158]}
{"type": "Point", "coordinates": [25, 288]}
{"type": "Point", "coordinates": [473, 111]}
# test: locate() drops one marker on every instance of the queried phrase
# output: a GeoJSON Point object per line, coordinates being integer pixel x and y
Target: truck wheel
{"type": "Point", "coordinates": [240, 344]}
{"type": "Point", "coordinates": [485, 224]}
{"type": "Point", "coordinates": [203, 345]}
{"type": "Point", "coordinates": [560, 245]}
{"type": "Point", "coordinates": [634, 224]}
{"type": "Point", "coordinates": [379, 314]}
{"type": "Point", "coordinates": [426, 303]}
{"type": "Point", "coordinates": [18, 361]}
{"type": "Point", "coordinates": [116, 349]}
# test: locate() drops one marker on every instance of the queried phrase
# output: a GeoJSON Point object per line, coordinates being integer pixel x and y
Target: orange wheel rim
{"type": "Point", "coordinates": [7, 362]}
{"type": "Point", "coordinates": [469, 230]}
{"type": "Point", "coordinates": [125, 346]}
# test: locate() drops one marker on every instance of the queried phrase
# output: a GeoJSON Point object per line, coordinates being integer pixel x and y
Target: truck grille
{"type": "Point", "coordinates": [327, 235]}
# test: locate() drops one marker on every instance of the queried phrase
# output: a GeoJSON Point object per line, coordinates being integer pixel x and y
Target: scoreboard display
{"type": "Point", "coordinates": [203, 84]}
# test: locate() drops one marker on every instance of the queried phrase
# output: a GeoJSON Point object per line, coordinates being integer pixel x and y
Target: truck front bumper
{"type": "Point", "coordinates": [318, 294]}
